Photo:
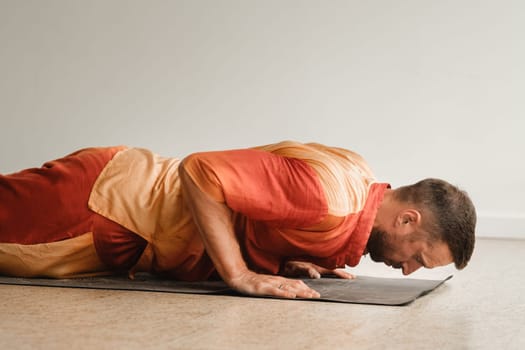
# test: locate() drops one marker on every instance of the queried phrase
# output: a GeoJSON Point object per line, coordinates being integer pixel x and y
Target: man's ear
{"type": "Point", "coordinates": [409, 218]}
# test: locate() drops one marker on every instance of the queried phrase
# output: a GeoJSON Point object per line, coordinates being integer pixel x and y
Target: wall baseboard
{"type": "Point", "coordinates": [501, 226]}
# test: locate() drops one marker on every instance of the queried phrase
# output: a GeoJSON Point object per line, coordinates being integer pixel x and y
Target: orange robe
{"type": "Point", "coordinates": [290, 201]}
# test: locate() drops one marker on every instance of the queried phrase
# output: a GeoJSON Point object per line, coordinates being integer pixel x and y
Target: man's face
{"type": "Point", "coordinates": [407, 251]}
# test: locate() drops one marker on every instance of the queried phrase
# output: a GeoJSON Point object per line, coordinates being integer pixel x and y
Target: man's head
{"type": "Point", "coordinates": [430, 223]}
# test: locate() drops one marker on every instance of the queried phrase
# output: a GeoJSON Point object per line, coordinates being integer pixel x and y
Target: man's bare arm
{"type": "Point", "coordinates": [214, 221]}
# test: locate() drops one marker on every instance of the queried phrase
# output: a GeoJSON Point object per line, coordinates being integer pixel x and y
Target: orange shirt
{"type": "Point", "coordinates": [291, 201]}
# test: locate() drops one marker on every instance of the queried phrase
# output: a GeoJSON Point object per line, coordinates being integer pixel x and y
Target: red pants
{"type": "Point", "coordinates": [49, 204]}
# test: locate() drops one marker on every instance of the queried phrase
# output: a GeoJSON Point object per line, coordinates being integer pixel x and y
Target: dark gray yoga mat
{"type": "Point", "coordinates": [362, 290]}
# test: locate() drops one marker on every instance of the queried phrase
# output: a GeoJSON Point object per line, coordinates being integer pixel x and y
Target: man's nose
{"type": "Point", "coordinates": [410, 266]}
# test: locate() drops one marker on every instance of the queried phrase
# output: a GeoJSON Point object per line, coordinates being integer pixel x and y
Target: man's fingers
{"type": "Point", "coordinates": [256, 284]}
{"type": "Point", "coordinates": [313, 273]}
{"type": "Point", "coordinates": [338, 272]}
{"type": "Point", "coordinates": [343, 274]}
{"type": "Point", "coordinates": [295, 289]}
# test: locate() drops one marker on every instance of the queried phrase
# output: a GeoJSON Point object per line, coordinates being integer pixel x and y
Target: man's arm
{"type": "Point", "coordinates": [214, 221]}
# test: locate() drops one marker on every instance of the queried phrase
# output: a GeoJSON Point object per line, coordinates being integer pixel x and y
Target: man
{"type": "Point", "coordinates": [253, 217]}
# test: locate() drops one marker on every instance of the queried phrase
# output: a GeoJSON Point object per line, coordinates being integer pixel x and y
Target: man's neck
{"type": "Point", "coordinates": [385, 207]}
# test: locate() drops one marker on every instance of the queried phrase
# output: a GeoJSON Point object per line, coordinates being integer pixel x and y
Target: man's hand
{"type": "Point", "coordinates": [306, 269]}
{"type": "Point", "coordinates": [267, 285]}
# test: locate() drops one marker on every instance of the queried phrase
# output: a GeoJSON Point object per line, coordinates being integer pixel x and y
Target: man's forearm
{"type": "Point", "coordinates": [214, 221]}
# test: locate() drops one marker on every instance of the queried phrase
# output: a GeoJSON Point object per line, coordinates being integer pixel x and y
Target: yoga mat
{"type": "Point", "coordinates": [361, 290]}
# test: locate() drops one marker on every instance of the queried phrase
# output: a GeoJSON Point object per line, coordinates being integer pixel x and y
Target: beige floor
{"type": "Point", "coordinates": [482, 307]}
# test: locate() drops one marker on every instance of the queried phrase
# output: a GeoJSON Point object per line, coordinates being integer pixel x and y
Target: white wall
{"type": "Point", "coordinates": [420, 88]}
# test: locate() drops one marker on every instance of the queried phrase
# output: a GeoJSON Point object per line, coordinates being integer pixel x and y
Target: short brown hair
{"type": "Point", "coordinates": [453, 216]}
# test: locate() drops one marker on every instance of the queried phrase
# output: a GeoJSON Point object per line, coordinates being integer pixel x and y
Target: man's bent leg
{"type": "Point", "coordinates": [44, 218]}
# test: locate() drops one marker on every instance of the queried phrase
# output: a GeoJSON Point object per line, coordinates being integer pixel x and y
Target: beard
{"type": "Point", "coordinates": [377, 245]}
